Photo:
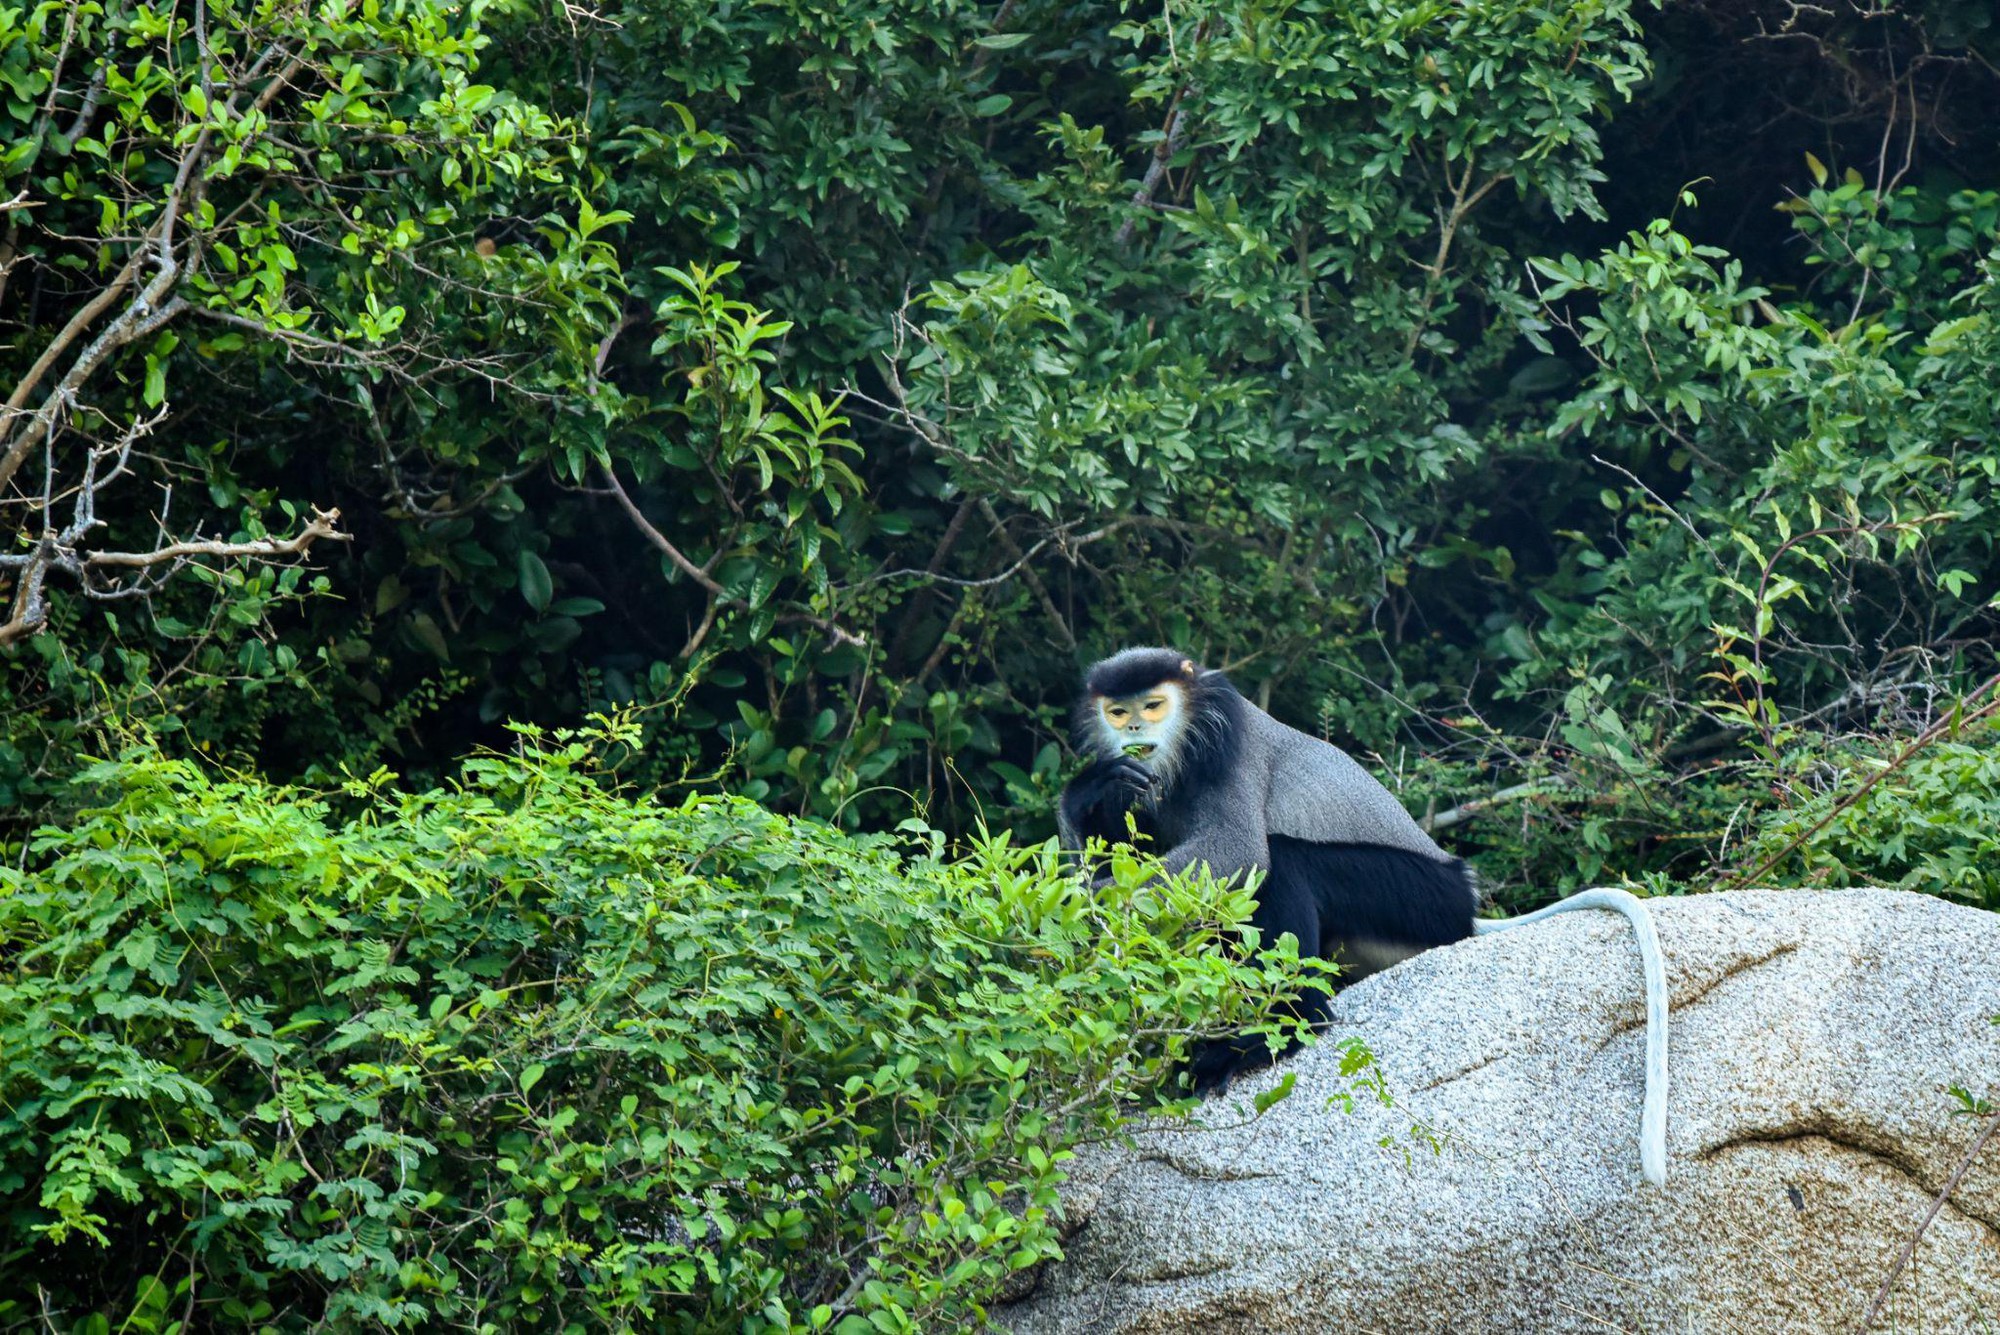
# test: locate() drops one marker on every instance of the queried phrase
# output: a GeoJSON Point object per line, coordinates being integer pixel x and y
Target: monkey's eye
{"type": "Point", "coordinates": [1156, 706]}
{"type": "Point", "coordinates": [1117, 713]}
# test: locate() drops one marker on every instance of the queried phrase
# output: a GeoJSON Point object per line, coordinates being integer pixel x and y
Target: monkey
{"type": "Point", "coordinates": [1209, 777]}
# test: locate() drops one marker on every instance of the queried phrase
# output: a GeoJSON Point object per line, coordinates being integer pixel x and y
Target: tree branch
{"type": "Point", "coordinates": [30, 610]}
{"type": "Point", "coordinates": [1465, 811]}
{"type": "Point", "coordinates": [1173, 135]}
{"type": "Point", "coordinates": [1952, 721]}
{"type": "Point", "coordinates": [1028, 573]}
{"type": "Point", "coordinates": [1462, 204]}
{"type": "Point", "coordinates": [322, 525]}
{"type": "Point", "coordinates": [151, 308]}
{"type": "Point", "coordinates": [10, 462]}
{"type": "Point", "coordinates": [707, 581]}
{"type": "Point", "coordinates": [1910, 1244]}
{"type": "Point", "coordinates": [939, 555]}
{"type": "Point", "coordinates": [659, 539]}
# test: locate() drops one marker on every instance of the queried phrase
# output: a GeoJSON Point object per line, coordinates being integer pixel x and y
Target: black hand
{"type": "Point", "coordinates": [1096, 800]}
{"type": "Point", "coordinates": [1113, 785]}
{"type": "Point", "coordinates": [1126, 781]}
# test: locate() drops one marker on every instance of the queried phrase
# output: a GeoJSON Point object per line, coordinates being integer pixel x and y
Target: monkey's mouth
{"type": "Point", "coordinates": [1141, 750]}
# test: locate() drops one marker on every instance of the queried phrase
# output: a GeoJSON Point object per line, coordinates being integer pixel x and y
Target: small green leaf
{"type": "Point", "coordinates": [1517, 643]}
{"type": "Point", "coordinates": [1281, 1091]}
{"type": "Point", "coordinates": [536, 585]}
{"type": "Point", "coordinates": [426, 631]}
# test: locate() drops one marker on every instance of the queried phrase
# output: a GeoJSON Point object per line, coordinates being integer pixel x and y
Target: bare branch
{"type": "Point", "coordinates": [659, 539]}
{"type": "Point", "coordinates": [321, 526]}
{"type": "Point", "coordinates": [1041, 591]}
{"type": "Point", "coordinates": [407, 363]}
{"type": "Point", "coordinates": [716, 592]}
{"type": "Point", "coordinates": [10, 462]}
{"type": "Point", "coordinates": [30, 610]}
{"type": "Point", "coordinates": [1910, 1244]}
{"type": "Point", "coordinates": [1465, 811]}
{"type": "Point", "coordinates": [85, 113]}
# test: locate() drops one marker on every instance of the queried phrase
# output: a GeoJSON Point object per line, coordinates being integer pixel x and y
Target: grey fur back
{"type": "Point", "coordinates": [1319, 792]}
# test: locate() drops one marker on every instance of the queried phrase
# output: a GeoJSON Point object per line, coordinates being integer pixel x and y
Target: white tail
{"type": "Point", "coordinates": [1653, 1116]}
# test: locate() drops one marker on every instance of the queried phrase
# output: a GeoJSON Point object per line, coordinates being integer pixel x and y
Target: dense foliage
{"type": "Point", "coordinates": [1583, 411]}
{"type": "Point", "coordinates": [519, 1053]}
{"type": "Point", "coordinates": [1461, 376]}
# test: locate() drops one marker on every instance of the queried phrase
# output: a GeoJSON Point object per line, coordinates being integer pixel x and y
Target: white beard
{"type": "Point", "coordinates": [1165, 738]}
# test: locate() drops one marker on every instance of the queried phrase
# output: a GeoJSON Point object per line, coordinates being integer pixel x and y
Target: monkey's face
{"type": "Point", "coordinates": [1145, 726]}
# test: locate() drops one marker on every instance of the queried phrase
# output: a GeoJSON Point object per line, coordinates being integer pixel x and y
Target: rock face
{"type": "Point", "coordinates": [1814, 1036]}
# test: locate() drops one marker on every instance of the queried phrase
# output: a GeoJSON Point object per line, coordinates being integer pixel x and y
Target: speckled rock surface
{"type": "Point", "coordinates": [1814, 1036]}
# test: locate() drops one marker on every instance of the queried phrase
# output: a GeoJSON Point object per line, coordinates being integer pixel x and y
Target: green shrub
{"type": "Point", "coordinates": [1930, 826]}
{"type": "Point", "coordinates": [525, 1053]}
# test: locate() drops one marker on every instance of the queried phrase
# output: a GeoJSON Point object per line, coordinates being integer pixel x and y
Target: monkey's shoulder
{"type": "Point", "coordinates": [1321, 794]}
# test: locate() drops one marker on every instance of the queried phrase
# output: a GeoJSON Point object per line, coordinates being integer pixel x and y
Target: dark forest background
{"type": "Point", "coordinates": [1585, 412]}
{"type": "Point", "coordinates": [1461, 378]}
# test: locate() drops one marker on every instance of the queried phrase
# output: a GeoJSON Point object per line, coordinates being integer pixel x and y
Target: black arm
{"type": "Point", "coordinates": [1095, 802]}
{"type": "Point", "coordinates": [1283, 905]}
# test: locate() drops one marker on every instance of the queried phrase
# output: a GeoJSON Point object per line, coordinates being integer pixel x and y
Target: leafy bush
{"type": "Point", "coordinates": [524, 1053]}
{"type": "Point", "coordinates": [1340, 341]}
{"type": "Point", "coordinates": [1929, 826]}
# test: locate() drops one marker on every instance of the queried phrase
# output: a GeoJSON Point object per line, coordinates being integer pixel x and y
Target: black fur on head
{"type": "Point", "coordinates": [1130, 671]}
{"type": "Point", "coordinates": [1210, 742]}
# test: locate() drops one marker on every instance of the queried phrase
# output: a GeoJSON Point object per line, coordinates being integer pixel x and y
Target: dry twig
{"type": "Point", "coordinates": [1937, 1205]}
